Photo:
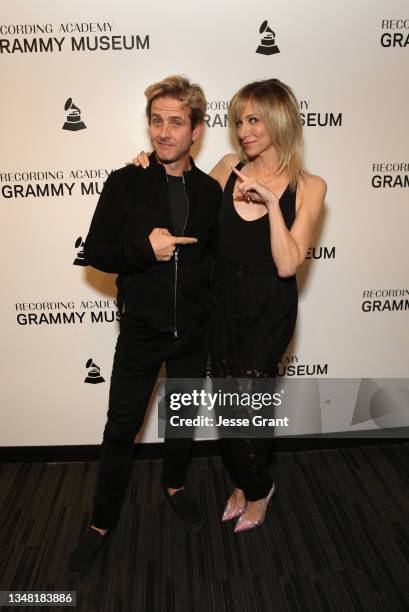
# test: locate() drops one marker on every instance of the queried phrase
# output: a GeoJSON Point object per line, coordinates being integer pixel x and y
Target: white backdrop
{"type": "Point", "coordinates": [347, 64]}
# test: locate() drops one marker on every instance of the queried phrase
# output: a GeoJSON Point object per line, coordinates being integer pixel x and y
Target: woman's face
{"type": "Point", "coordinates": [252, 132]}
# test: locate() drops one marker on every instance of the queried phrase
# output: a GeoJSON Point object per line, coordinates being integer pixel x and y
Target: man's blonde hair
{"type": "Point", "coordinates": [180, 88]}
{"type": "Point", "coordinates": [276, 104]}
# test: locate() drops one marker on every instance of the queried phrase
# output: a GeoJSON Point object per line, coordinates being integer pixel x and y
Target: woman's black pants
{"type": "Point", "coordinates": [254, 323]}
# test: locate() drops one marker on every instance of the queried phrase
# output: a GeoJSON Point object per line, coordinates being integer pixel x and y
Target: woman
{"type": "Point", "coordinates": [270, 208]}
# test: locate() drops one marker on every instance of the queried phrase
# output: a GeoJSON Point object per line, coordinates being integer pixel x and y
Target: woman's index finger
{"type": "Point", "coordinates": [239, 174]}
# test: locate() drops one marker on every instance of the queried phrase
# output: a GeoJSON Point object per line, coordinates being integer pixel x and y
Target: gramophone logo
{"type": "Point", "coordinates": [267, 45]}
{"type": "Point", "coordinates": [94, 373]}
{"type": "Point", "coordinates": [80, 258]}
{"type": "Point", "coordinates": [73, 122]}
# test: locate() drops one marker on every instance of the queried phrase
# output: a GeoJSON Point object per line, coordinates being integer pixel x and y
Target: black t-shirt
{"type": "Point", "coordinates": [178, 203]}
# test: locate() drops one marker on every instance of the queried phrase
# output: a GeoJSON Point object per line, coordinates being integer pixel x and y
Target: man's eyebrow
{"type": "Point", "coordinates": [170, 116]}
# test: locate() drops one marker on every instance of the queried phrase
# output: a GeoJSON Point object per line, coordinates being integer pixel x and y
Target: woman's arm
{"type": "Point", "coordinates": [289, 247]}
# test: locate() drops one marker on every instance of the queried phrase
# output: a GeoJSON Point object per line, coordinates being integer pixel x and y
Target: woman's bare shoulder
{"type": "Point", "coordinates": [231, 158]}
{"type": "Point", "coordinates": [312, 183]}
{"type": "Point", "coordinates": [222, 169]}
{"type": "Point", "coordinates": [311, 192]}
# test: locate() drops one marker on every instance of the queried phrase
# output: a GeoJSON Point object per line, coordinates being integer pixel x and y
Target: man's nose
{"type": "Point", "coordinates": [165, 129]}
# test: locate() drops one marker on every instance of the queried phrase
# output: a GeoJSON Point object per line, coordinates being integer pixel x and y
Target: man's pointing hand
{"type": "Point", "coordinates": [164, 244]}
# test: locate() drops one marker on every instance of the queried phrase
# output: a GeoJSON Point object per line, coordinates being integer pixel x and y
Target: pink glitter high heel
{"type": "Point", "coordinates": [230, 514]}
{"type": "Point", "coordinates": [244, 524]}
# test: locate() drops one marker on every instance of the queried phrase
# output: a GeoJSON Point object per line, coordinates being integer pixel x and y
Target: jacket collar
{"type": "Point", "coordinates": [158, 167]}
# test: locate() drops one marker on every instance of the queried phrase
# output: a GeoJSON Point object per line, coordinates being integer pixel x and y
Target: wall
{"type": "Point", "coordinates": [347, 64]}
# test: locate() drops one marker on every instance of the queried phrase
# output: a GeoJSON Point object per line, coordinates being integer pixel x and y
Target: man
{"type": "Point", "coordinates": [156, 228]}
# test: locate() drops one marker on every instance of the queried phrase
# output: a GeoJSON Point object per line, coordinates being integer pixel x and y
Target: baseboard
{"type": "Point", "coordinates": [201, 448]}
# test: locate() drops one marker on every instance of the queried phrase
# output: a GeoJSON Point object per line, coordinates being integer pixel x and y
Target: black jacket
{"type": "Point", "coordinates": [166, 295]}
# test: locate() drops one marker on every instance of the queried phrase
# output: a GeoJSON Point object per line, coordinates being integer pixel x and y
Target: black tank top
{"type": "Point", "coordinates": [248, 242]}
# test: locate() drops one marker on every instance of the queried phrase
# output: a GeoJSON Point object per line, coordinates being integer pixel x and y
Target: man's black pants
{"type": "Point", "coordinates": [139, 354]}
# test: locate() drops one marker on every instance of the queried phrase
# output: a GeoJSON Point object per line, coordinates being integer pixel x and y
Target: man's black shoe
{"type": "Point", "coordinates": [87, 549]}
{"type": "Point", "coordinates": [186, 509]}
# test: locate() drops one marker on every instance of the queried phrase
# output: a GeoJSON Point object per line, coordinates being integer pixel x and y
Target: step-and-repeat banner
{"type": "Point", "coordinates": [72, 109]}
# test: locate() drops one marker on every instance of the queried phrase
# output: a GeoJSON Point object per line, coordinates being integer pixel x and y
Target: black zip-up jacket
{"type": "Point", "coordinates": [166, 295]}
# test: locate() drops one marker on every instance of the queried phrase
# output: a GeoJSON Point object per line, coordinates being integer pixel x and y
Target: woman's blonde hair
{"type": "Point", "coordinates": [277, 106]}
{"type": "Point", "coordinates": [179, 87]}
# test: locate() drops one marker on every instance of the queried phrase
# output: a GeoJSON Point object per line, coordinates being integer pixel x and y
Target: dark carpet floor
{"type": "Point", "coordinates": [336, 537]}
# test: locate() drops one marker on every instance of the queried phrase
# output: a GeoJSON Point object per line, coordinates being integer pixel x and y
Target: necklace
{"type": "Point", "coordinates": [265, 181]}
{"type": "Point", "coordinates": [269, 180]}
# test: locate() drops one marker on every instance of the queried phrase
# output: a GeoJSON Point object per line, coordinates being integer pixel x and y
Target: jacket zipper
{"type": "Point", "coordinates": [176, 255]}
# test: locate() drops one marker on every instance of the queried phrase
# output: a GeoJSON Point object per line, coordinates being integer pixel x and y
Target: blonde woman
{"type": "Point", "coordinates": [271, 206]}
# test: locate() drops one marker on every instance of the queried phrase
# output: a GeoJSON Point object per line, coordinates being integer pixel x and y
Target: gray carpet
{"type": "Point", "coordinates": [336, 537]}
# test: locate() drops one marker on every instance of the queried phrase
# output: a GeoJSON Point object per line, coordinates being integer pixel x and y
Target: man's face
{"type": "Point", "coordinates": [170, 130]}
